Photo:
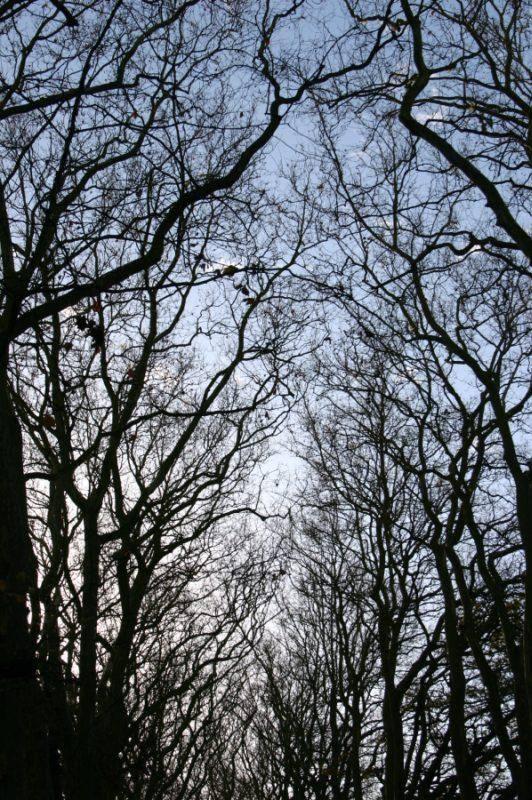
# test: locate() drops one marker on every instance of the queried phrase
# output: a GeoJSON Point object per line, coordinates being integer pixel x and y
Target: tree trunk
{"type": "Point", "coordinates": [524, 514]}
{"type": "Point", "coordinates": [24, 744]}
{"type": "Point", "coordinates": [89, 771]}
{"type": "Point", "coordinates": [457, 685]}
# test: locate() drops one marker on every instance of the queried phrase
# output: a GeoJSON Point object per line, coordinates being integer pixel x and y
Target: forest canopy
{"type": "Point", "coordinates": [265, 382]}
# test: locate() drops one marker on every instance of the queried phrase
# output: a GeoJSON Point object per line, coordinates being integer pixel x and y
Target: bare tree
{"type": "Point", "coordinates": [428, 178]}
{"type": "Point", "coordinates": [146, 448]}
{"type": "Point", "coordinates": [126, 128]}
{"type": "Point", "coordinates": [156, 288]}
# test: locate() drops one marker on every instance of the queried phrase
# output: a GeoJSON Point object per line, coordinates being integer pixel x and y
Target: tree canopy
{"type": "Point", "coordinates": [265, 345]}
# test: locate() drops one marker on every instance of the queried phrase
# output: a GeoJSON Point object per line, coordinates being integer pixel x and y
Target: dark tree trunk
{"type": "Point", "coordinates": [24, 745]}
{"type": "Point", "coordinates": [394, 780]}
{"type": "Point", "coordinates": [457, 685]}
{"type": "Point", "coordinates": [89, 772]}
{"type": "Point", "coordinates": [524, 514]}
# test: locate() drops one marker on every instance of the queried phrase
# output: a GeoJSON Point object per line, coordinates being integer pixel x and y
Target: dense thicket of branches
{"type": "Point", "coordinates": [232, 230]}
